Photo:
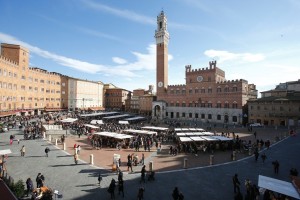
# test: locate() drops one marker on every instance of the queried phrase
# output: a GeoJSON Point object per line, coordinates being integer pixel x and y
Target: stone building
{"type": "Point", "coordinates": [81, 98]}
{"type": "Point", "coordinates": [116, 98]}
{"type": "Point", "coordinates": [277, 107]}
{"type": "Point", "coordinates": [23, 89]}
{"type": "Point", "coordinates": [206, 95]}
{"type": "Point", "coordinates": [141, 101]}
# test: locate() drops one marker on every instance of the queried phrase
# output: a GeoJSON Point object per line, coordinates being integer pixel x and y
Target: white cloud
{"type": "Point", "coordinates": [222, 56]}
{"type": "Point", "coordinates": [121, 13]}
{"type": "Point", "coordinates": [143, 62]}
{"type": "Point", "coordinates": [118, 60]}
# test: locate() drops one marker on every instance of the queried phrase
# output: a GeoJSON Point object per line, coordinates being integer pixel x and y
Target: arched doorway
{"type": "Point", "coordinates": [157, 111]}
{"type": "Point", "coordinates": [226, 118]}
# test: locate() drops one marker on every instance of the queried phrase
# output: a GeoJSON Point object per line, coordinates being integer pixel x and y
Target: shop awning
{"type": "Point", "coordinates": [278, 186]}
{"type": "Point", "coordinates": [96, 122]}
{"type": "Point", "coordinates": [69, 120]}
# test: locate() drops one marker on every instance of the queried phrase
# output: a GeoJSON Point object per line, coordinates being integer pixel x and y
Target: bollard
{"type": "Point", "coordinates": [44, 135]}
{"type": "Point", "coordinates": [250, 151]}
{"type": "Point", "coordinates": [233, 155]}
{"type": "Point", "coordinates": [55, 141]}
{"type": "Point", "coordinates": [211, 159]}
{"type": "Point", "coordinates": [185, 163]}
{"type": "Point", "coordinates": [49, 138]}
{"type": "Point", "coordinates": [151, 166]}
{"type": "Point", "coordinates": [91, 159]}
{"type": "Point", "coordinates": [64, 146]}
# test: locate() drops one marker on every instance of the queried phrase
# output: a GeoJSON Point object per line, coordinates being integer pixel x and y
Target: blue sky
{"type": "Point", "coordinates": [113, 41]}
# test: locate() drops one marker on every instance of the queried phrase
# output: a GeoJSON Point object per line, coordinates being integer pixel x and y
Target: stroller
{"type": "Point", "coordinates": [150, 176]}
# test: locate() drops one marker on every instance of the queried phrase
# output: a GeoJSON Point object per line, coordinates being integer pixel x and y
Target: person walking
{"type": "Point", "coordinates": [39, 180]}
{"type": "Point", "coordinates": [143, 174]}
{"type": "Point", "coordinates": [121, 187]}
{"type": "Point", "coordinates": [99, 179]}
{"type": "Point", "coordinates": [256, 155]}
{"type": "Point", "coordinates": [29, 186]}
{"type": "Point", "coordinates": [175, 193]}
{"type": "Point", "coordinates": [140, 195]}
{"type": "Point", "coordinates": [143, 159]}
{"type": "Point", "coordinates": [78, 149]}
{"type": "Point", "coordinates": [23, 151]}
{"type": "Point", "coordinates": [236, 183]}
{"type": "Point", "coordinates": [111, 189]}
{"type": "Point", "coordinates": [276, 166]}
{"type": "Point", "coordinates": [76, 158]}
{"type": "Point", "coordinates": [47, 151]}
{"type": "Point", "coordinates": [263, 157]}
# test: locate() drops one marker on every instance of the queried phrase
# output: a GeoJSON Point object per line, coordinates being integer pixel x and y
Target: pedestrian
{"type": "Point", "coordinates": [175, 193]}
{"type": "Point", "coordinates": [39, 180]}
{"type": "Point", "coordinates": [120, 176]}
{"type": "Point", "coordinates": [181, 196]}
{"type": "Point", "coordinates": [78, 149]}
{"type": "Point", "coordinates": [143, 159]}
{"type": "Point", "coordinates": [47, 151]}
{"type": "Point", "coordinates": [263, 157]}
{"type": "Point", "coordinates": [129, 165]}
{"type": "Point", "coordinates": [255, 134]}
{"type": "Point", "coordinates": [276, 166]}
{"type": "Point", "coordinates": [18, 141]}
{"type": "Point", "coordinates": [236, 183]}
{"type": "Point", "coordinates": [23, 151]}
{"type": "Point", "coordinates": [256, 154]}
{"type": "Point", "coordinates": [143, 174]}
{"type": "Point", "coordinates": [121, 187]}
{"type": "Point", "coordinates": [29, 186]}
{"type": "Point", "coordinates": [11, 139]}
{"type": "Point", "coordinates": [76, 158]}
{"type": "Point", "coordinates": [111, 189]}
{"type": "Point", "coordinates": [141, 193]}
{"type": "Point", "coordinates": [99, 178]}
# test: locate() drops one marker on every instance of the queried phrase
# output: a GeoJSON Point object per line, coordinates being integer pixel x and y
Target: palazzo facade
{"type": "Point", "coordinates": [206, 95]}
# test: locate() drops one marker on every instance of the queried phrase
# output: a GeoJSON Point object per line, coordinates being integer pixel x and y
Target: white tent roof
{"type": "Point", "coordinates": [140, 131]}
{"type": "Point", "coordinates": [69, 120]}
{"type": "Point", "coordinates": [155, 128]}
{"type": "Point", "coordinates": [180, 134]}
{"type": "Point", "coordinates": [98, 114]}
{"type": "Point", "coordinates": [5, 151]}
{"type": "Point", "coordinates": [96, 122]}
{"type": "Point", "coordinates": [134, 118]}
{"type": "Point", "coordinates": [209, 138]}
{"type": "Point", "coordinates": [197, 138]}
{"type": "Point", "coordinates": [113, 135]}
{"type": "Point", "coordinates": [222, 138]}
{"type": "Point", "coordinates": [279, 186]}
{"type": "Point", "coordinates": [123, 122]}
{"type": "Point", "coordinates": [185, 139]}
{"type": "Point", "coordinates": [116, 116]}
{"type": "Point", "coordinates": [91, 126]}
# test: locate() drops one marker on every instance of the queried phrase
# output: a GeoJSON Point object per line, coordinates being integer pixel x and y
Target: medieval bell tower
{"type": "Point", "coordinates": [162, 40]}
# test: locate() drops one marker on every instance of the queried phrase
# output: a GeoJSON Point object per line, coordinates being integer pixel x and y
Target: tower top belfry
{"type": "Point", "coordinates": [161, 33]}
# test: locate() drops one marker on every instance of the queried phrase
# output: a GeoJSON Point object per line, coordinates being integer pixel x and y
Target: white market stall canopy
{"type": "Point", "coordinates": [189, 130]}
{"type": "Point", "coordinates": [278, 186]}
{"type": "Point", "coordinates": [134, 118]}
{"type": "Point", "coordinates": [98, 114]}
{"type": "Point", "coordinates": [123, 122]}
{"type": "Point", "coordinates": [222, 138]}
{"type": "Point", "coordinates": [185, 139]}
{"type": "Point", "coordinates": [5, 151]}
{"type": "Point", "coordinates": [197, 138]}
{"type": "Point", "coordinates": [52, 127]}
{"type": "Point", "coordinates": [194, 134]}
{"type": "Point", "coordinates": [114, 135]}
{"type": "Point", "coordinates": [155, 128]}
{"type": "Point", "coordinates": [91, 126]}
{"type": "Point", "coordinates": [140, 132]}
{"type": "Point", "coordinates": [69, 120]}
{"type": "Point", "coordinates": [116, 116]}
{"type": "Point", "coordinates": [96, 122]}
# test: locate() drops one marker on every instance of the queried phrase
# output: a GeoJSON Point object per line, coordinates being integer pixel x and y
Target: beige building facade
{"type": "Point", "coordinates": [84, 94]}
{"type": "Point", "coordinates": [206, 95]}
{"type": "Point", "coordinates": [277, 107]}
{"type": "Point", "coordinates": [23, 89]}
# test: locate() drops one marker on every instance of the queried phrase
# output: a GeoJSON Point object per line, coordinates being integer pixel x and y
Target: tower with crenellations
{"type": "Point", "coordinates": [206, 95]}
